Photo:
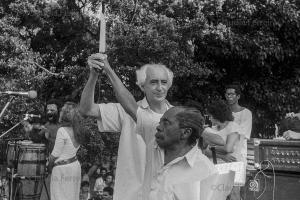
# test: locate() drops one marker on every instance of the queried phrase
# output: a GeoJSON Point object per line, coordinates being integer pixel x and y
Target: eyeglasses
{"type": "Point", "coordinates": [230, 94]}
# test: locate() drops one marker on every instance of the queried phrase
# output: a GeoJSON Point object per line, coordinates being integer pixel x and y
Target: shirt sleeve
{"type": "Point", "coordinates": [235, 128]}
{"type": "Point", "coordinates": [246, 123]}
{"type": "Point", "coordinates": [59, 143]}
{"type": "Point", "coordinates": [139, 122]}
{"type": "Point", "coordinates": [112, 116]}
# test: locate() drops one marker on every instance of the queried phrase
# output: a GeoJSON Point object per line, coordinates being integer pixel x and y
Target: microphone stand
{"type": "Point", "coordinates": [11, 129]}
{"type": "Point", "coordinates": [6, 106]}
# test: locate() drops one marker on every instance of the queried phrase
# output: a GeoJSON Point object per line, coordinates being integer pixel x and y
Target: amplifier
{"type": "Point", "coordinates": [284, 155]}
{"type": "Point", "coordinates": [261, 186]}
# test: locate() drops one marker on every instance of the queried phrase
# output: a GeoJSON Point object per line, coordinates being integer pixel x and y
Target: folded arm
{"type": "Point", "coordinates": [212, 138]}
{"type": "Point", "coordinates": [226, 157]}
{"type": "Point", "coordinates": [232, 138]}
{"type": "Point", "coordinates": [291, 135]}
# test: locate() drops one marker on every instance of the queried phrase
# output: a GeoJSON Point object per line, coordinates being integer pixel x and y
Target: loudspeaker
{"type": "Point", "coordinates": [287, 186]}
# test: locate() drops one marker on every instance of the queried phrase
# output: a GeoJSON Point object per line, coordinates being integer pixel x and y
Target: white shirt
{"type": "Point", "coordinates": [231, 127]}
{"type": "Point", "coordinates": [132, 149]}
{"type": "Point", "coordinates": [244, 120]}
{"type": "Point", "coordinates": [64, 147]}
{"type": "Point", "coordinates": [179, 179]}
{"type": "Point", "coordinates": [148, 120]}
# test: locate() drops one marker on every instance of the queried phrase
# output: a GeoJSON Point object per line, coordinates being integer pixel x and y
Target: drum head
{"type": "Point", "coordinates": [32, 145]}
{"type": "Point", "coordinates": [25, 142]}
{"type": "Point", "coordinates": [20, 142]}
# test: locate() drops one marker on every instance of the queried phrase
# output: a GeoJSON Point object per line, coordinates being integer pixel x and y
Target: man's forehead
{"type": "Point", "coordinates": [156, 73]}
{"type": "Point", "coordinates": [52, 106]}
{"type": "Point", "coordinates": [171, 114]}
{"type": "Point", "coordinates": [232, 90]}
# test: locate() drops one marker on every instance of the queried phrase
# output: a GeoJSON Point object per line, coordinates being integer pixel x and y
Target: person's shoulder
{"type": "Point", "coordinates": [109, 104]}
{"type": "Point", "coordinates": [62, 130]}
{"type": "Point", "coordinates": [110, 108]}
{"type": "Point", "coordinates": [233, 126]}
{"type": "Point", "coordinates": [246, 110]}
{"type": "Point", "coordinates": [204, 161]}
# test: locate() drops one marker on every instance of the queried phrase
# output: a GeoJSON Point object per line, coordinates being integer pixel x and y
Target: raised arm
{"type": "Point", "coordinates": [124, 97]}
{"type": "Point", "coordinates": [87, 105]}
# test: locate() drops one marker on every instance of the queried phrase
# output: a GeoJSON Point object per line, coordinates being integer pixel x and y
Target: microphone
{"type": "Point", "coordinates": [30, 94]}
{"type": "Point", "coordinates": [32, 115]}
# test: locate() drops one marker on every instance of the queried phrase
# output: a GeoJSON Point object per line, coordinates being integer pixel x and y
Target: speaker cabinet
{"type": "Point", "coordinates": [287, 186]}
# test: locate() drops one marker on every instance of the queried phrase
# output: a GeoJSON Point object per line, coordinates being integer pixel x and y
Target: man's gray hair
{"type": "Point", "coordinates": [141, 74]}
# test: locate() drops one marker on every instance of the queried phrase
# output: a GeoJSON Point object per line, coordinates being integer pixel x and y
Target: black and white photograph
{"type": "Point", "coordinates": [149, 100]}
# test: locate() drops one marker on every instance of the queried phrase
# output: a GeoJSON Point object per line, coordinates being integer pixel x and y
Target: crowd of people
{"type": "Point", "coordinates": [164, 151]}
{"type": "Point", "coordinates": [97, 182]}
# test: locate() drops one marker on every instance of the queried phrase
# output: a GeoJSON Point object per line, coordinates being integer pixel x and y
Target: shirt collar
{"type": "Point", "coordinates": [144, 103]}
{"type": "Point", "coordinates": [190, 156]}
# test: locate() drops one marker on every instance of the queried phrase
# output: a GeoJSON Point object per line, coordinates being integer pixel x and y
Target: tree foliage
{"type": "Point", "coordinates": [45, 45]}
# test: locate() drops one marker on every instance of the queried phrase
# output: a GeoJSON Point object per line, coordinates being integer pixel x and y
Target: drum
{"type": "Point", "coordinates": [12, 152]}
{"type": "Point", "coordinates": [29, 188]}
{"type": "Point", "coordinates": [3, 147]}
{"type": "Point", "coordinates": [31, 160]}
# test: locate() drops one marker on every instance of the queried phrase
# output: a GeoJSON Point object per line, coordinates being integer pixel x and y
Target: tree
{"type": "Point", "coordinates": [206, 43]}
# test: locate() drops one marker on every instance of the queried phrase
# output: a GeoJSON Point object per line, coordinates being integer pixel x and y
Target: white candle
{"type": "Point", "coordinates": [102, 32]}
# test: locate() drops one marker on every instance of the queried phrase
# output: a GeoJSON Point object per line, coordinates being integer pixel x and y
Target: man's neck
{"type": "Point", "coordinates": [176, 152]}
{"type": "Point", "coordinates": [51, 123]}
{"type": "Point", "coordinates": [235, 107]}
{"type": "Point", "coordinates": [158, 107]}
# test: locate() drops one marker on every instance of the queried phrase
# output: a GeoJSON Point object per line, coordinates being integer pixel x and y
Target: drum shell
{"type": "Point", "coordinates": [32, 160]}
{"type": "Point", "coordinates": [13, 151]}
{"type": "Point", "coordinates": [3, 151]}
{"type": "Point", "coordinates": [29, 188]}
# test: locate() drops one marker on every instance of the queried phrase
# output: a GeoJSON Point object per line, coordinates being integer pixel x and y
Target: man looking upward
{"type": "Point", "coordinates": [175, 165]}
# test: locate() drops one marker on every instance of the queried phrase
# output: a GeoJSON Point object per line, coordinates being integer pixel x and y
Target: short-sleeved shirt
{"type": "Point", "coordinates": [132, 148]}
{"type": "Point", "coordinates": [232, 127]}
{"type": "Point", "coordinates": [244, 120]}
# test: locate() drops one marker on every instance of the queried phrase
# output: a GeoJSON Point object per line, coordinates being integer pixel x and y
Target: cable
{"type": "Point", "coordinates": [265, 182]}
{"type": "Point", "coordinates": [264, 175]}
{"type": "Point", "coordinates": [273, 178]}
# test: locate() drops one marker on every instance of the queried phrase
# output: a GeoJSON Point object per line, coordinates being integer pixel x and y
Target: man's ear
{"type": "Point", "coordinates": [238, 96]}
{"type": "Point", "coordinates": [142, 87]}
{"type": "Point", "coordinates": [186, 133]}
